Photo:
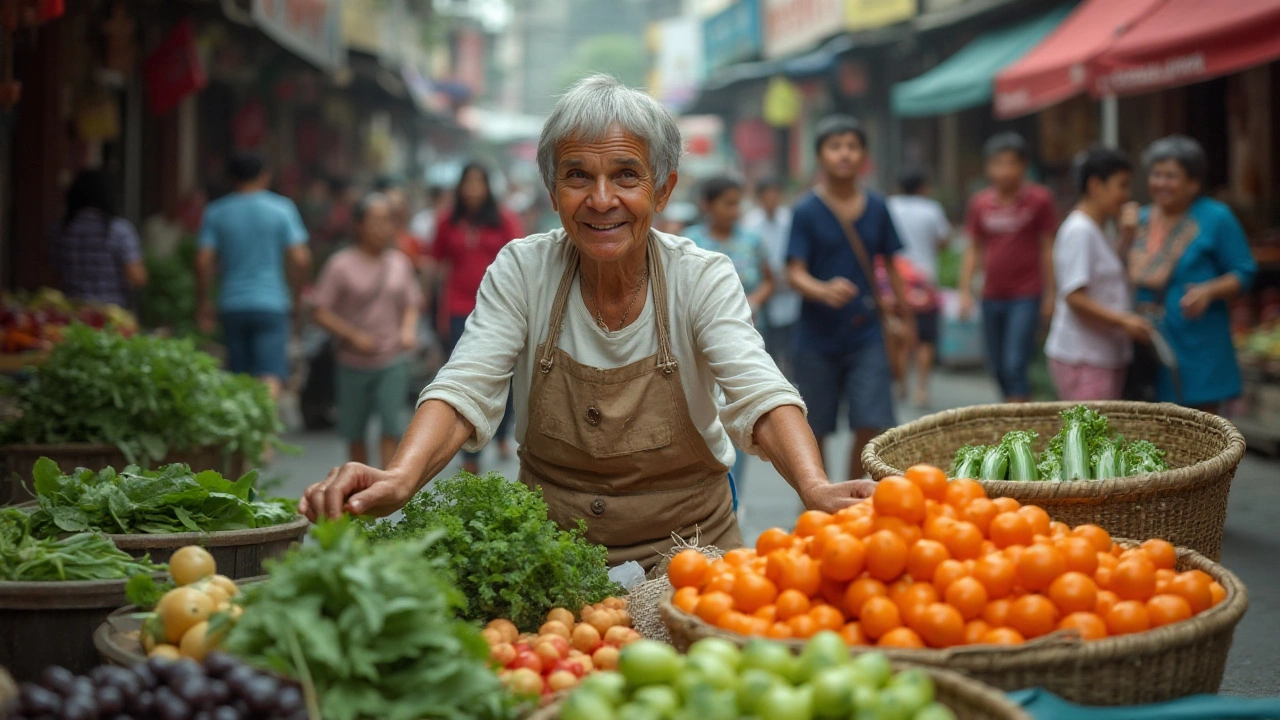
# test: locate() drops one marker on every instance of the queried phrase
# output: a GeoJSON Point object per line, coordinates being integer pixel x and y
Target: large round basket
{"type": "Point", "coordinates": [239, 553]}
{"type": "Point", "coordinates": [17, 461]}
{"type": "Point", "coordinates": [1169, 662]}
{"type": "Point", "coordinates": [968, 699]}
{"type": "Point", "coordinates": [1186, 505]}
{"type": "Point", "coordinates": [52, 623]}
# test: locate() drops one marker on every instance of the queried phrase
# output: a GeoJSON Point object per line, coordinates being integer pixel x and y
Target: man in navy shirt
{"type": "Point", "coordinates": [839, 342]}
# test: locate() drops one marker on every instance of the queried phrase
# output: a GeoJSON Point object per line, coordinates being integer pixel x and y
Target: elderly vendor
{"type": "Point", "coordinates": [615, 338]}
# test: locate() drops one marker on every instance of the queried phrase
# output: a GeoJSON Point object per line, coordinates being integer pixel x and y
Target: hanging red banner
{"type": "Point", "coordinates": [47, 10]}
{"type": "Point", "coordinates": [174, 71]}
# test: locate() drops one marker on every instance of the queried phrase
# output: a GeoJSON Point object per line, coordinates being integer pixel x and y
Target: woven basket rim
{"type": "Point", "coordinates": [974, 692]}
{"type": "Point", "coordinates": [96, 448]}
{"type": "Point", "coordinates": [1223, 616]}
{"type": "Point", "coordinates": [1170, 480]}
{"type": "Point", "coordinates": [292, 529]}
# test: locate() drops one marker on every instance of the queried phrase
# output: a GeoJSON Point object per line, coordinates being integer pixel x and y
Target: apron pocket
{"type": "Point", "coordinates": [606, 443]}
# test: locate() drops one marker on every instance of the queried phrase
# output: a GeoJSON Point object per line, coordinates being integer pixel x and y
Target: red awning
{"type": "Point", "coordinates": [1056, 69]}
{"type": "Point", "coordinates": [1188, 41]}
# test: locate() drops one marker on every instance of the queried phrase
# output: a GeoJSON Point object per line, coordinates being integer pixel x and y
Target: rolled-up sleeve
{"type": "Point", "coordinates": [477, 377]}
{"type": "Point", "coordinates": [725, 336]}
{"type": "Point", "coordinates": [1231, 249]}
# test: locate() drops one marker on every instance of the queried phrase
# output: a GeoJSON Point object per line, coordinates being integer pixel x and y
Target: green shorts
{"type": "Point", "coordinates": [363, 393]}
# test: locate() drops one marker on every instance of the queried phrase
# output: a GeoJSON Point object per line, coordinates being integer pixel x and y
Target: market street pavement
{"type": "Point", "coordinates": [1250, 549]}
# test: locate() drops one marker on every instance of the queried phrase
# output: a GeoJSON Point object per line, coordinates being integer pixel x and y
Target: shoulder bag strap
{"type": "Point", "coordinates": [864, 260]}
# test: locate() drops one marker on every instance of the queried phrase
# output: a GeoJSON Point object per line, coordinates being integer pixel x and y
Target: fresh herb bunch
{"type": "Point", "coordinates": [145, 395]}
{"type": "Point", "coordinates": [507, 557]}
{"type": "Point", "coordinates": [86, 556]}
{"type": "Point", "coordinates": [168, 500]}
{"type": "Point", "coordinates": [371, 628]}
{"type": "Point", "coordinates": [169, 297]}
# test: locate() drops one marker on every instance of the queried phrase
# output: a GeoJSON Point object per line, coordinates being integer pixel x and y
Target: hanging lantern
{"type": "Point", "coordinates": [782, 102]}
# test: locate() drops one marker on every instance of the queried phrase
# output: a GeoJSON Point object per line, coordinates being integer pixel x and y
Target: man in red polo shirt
{"type": "Point", "coordinates": [1010, 226]}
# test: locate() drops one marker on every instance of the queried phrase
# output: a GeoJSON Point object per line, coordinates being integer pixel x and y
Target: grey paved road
{"type": "Point", "coordinates": [1251, 548]}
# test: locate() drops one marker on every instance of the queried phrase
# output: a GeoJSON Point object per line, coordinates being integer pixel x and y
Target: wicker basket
{"type": "Point", "coordinates": [1186, 505]}
{"type": "Point", "coordinates": [968, 699]}
{"type": "Point", "coordinates": [1169, 662]}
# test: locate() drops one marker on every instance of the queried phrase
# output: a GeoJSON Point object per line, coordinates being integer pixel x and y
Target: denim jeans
{"type": "Point", "coordinates": [1009, 327]}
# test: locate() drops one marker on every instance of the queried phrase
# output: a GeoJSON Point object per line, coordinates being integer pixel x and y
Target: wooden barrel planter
{"type": "Point", "coordinates": [17, 461]}
{"type": "Point", "coordinates": [239, 553]}
{"type": "Point", "coordinates": [52, 623]}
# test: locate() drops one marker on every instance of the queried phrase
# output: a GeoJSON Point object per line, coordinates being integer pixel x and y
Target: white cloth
{"type": "Point", "coordinates": [712, 337]}
{"type": "Point", "coordinates": [783, 307]}
{"type": "Point", "coordinates": [423, 226]}
{"type": "Point", "coordinates": [1083, 257]}
{"type": "Point", "coordinates": [922, 226]}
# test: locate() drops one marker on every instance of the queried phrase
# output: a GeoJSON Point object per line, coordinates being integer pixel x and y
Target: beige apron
{"type": "Point", "coordinates": [618, 448]}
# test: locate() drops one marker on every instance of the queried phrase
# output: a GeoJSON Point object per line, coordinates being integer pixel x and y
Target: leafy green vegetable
{"type": "Point", "coordinates": [1107, 459]}
{"type": "Point", "coordinates": [508, 559]}
{"type": "Point", "coordinates": [144, 592]}
{"type": "Point", "coordinates": [372, 627]}
{"type": "Point", "coordinates": [1050, 465]}
{"type": "Point", "coordinates": [995, 463]}
{"type": "Point", "coordinates": [85, 556]}
{"type": "Point", "coordinates": [168, 500]}
{"type": "Point", "coordinates": [1082, 427]}
{"type": "Point", "coordinates": [968, 462]}
{"type": "Point", "coordinates": [145, 395]}
{"type": "Point", "coordinates": [1022, 460]}
{"type": "Point", "coordinates": [1141, 457]}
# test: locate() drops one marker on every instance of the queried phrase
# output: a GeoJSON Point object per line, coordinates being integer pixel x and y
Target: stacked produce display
{"type": "Point", "coordinates": [25, 557]}
{"type": "Point", "coordinates": [936, 563]}
{"type": "Point", "coordinates": [35, 323]}
{"type": "Point", "coordinates": [1085, 449]}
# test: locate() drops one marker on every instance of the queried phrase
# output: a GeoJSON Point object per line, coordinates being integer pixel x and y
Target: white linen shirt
{"type": "Point", "coordinates": [712, 337]}
{"type": "Point", "coordinates": [1083, 257]}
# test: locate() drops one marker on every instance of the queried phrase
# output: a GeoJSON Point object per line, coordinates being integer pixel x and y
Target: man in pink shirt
{"type": "Point", "coordinates": [1010, 226]}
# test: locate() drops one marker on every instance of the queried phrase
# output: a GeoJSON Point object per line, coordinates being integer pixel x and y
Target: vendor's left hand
{"type": "Point", "coordinates": [1195, 301]}
{"type": "Point", "coordinates": [834, 496]}
{"type": "Point", "coordinates": [409, 340]}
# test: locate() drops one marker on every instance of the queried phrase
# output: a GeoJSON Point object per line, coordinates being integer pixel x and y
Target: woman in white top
{"type": "Point", "coordinates": [616, 337]}
{"type": "Point", "coordinates": [1090, 339]}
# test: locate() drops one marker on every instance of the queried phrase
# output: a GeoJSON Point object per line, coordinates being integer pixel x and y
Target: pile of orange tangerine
{"type": "Point", "coordinates": [935, 563]}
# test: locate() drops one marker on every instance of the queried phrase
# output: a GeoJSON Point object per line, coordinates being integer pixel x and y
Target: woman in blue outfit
{"type": "Point", "coordinates": [1189, 259]}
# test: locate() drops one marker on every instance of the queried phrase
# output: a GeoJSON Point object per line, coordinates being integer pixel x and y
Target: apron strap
{"type": "Point", "coordinates": [558, 309]}
{"type": "Point", "coordinates": [658, 286]}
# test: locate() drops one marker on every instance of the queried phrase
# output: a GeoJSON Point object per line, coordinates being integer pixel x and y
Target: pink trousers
{"type": "Point", "coordinates": [1077, 383]}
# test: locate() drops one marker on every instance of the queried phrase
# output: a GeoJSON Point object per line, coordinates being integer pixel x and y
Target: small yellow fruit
{"type": "Point", "coordinates": [225, 583]}
{"type": "Point", "coordinates": [165, 651]}
{"type": "Point", "coordinates": [182, 611]}
{"type": "Point", "coordinates": [191, 563]}
{"type": "Point", "coordinates": [216, 593]}
{"type": "Point", "coordinates": [197, 642]}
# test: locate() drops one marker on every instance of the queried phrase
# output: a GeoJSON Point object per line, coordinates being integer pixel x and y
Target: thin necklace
{"type": "Point", "coordinates": [635, 296]}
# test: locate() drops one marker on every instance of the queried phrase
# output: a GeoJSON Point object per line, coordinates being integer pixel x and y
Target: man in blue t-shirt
{"type": "Point", "coordinates": [252, 238]}
{"type": "Point", "coordinates": [840, 353]}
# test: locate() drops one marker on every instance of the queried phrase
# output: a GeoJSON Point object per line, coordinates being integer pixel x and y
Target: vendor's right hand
{"type": "Point", "coordinates": [838, 292]}
{"type": "Point", "coordinates": [357, 489]}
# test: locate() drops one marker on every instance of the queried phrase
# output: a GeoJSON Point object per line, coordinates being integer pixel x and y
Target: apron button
{"type": "Point", "coordinates": [597, 507]}
{"type": "Point", "coordinates": [593, 416]}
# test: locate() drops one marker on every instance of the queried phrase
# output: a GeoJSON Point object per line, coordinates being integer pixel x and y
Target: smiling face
{"type": "Point", "coordinates": [607, 196]}
{"type": "Point", "coordinates": [1172, 189]}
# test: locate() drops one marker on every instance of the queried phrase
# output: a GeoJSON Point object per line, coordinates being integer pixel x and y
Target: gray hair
{"type": "Point", "coordinates": [597, 104]}
{"type": "Point", "coordinates": [1181, 149]}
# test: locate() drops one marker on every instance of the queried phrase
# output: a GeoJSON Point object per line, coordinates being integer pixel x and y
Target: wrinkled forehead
{"type": "Point", "coordinates": [615, 147]}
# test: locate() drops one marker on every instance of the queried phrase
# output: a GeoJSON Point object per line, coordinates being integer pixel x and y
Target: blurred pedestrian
{"type": "Point", "coordinates": [1190, 258]}
{"type": "Point", "coordinates": [1010, 227]}
{"type": "Point", "coordinates": [836, 232]}
{"type": "Point", "coordinates": [722, 233]}
{"type": "Point", "coordinates": [255, 241]}
{"type": "Point", "coordinates": [468, 240]}
{"type": "Point", "coordinates": [368, 298]}
{"type": "Point", "coordinates": [771, 220]}
{"type": "Point", "coordinates": [1091, 337]}
{"type": "Point", "coordinates": [423, 224]}
{"type": "Point", "coordinates": [98, 254]}
{"type": "Point", "coordinates": [409, 244]}
{"type": "Point", "coordinates": [923, 227]}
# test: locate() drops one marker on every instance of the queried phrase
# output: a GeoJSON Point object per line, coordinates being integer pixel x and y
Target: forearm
{"type": "Point", "coordinates": [204, 278]}
{"type": "Point", "coordinates": [785, 440]}
{"type": "Point", "coordinates": [968, 266]}
{"type": "Point", "coordinates": [809, 287]}
{"type": "Point", "coordinates": [899, 287]}
{"type": "Point", "coordinates": [409, 321]}
{"type": "Point", "coordinates": [328, 320]}
{"type": "Point", "coordinates": [1224, 287]}
{"type": "Point", "coordinates": [1046, 268]}
{"type": "Point", "coordinates": [299, 270]}
{"type": "Point", "coordinates": [434, 436]}
{"type": "Point", "coordinates": [1091, 310]}
{"type": "Point", "coordinates": [761, 294]}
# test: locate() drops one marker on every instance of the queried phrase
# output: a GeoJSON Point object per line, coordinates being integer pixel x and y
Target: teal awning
{"type": "Point", "coordinates": [966, 79]}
